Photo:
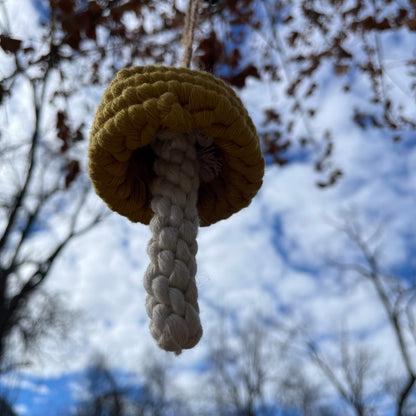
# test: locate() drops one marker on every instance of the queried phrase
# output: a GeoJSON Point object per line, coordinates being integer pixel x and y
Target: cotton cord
{"type": "Point", "coordinates": [172, 300]}
{"type": "Point", "coordinates": [188, 31]}
{"type": "Point", "coordinates": [172, 303]}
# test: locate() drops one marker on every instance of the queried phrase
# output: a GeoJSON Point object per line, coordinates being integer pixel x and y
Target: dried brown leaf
{"type": "Point", "coordinates": [332, 180]}
{"type": "Point", "coordinates": [239, 79]}
{"type": "Point", "coordinates": [9, 44]}
{"type": "Point", "coordinates": [341, 69]}
{"type": "Point", "coordinates": [72, 171]}
{"type": "Point", "coordinates": [411, 24]}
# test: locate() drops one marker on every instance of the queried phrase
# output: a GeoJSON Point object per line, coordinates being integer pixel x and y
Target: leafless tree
{"type": "Point", "coordinates": [356, 371]}
{"type": "Point", "coordinates": [349, 378]}
{"type": "Point", "coordinates": [240, 371]}
{"type": "Point", "coordinates": [159, 395]}
{"type": "Point", "coordinates": [300, 394]}
{"type": "Point", "coordinates": [107, 395]}
{"type": "Point", "coordinates": [397, 297]}
{"type": "Point", "coordinates": [329, 373]}
{"type": "Point", "coordinates": [253, 371]}
{"type": "Point", "coordinates": [349, 373]}
{"type": "Point", "coordinates": [29, 207]}
{"type": "Point", "coordinates": [43, 200]}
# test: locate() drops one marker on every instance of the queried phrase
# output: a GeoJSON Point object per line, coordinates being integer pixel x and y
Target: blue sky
{"type": "Point", "coordinates": [39, 396]}
{"type": "Point", "coordinates": [270, 259]}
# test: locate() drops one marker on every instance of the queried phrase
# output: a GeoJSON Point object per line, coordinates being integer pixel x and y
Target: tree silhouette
{"type": "Point", "coordinates": [358, 372]}
{"type": "Point", "coordinates": [5, 408]}
{"type": "Point", "coordinates": [107, 396]}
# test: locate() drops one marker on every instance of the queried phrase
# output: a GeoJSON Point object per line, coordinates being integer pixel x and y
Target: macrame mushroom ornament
{"type": "Point", "coordinates": [174, 148]}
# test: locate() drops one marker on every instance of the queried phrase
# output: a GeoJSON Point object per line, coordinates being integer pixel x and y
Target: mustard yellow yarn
{"type": "Point", "coordinates": [142, 101]}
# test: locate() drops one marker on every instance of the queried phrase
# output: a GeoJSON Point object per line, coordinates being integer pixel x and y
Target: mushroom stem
{"type": "Point", "coordinates": [169, 280]}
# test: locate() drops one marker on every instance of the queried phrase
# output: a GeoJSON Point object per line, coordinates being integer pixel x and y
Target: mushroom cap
{"type": "Point", "coordinates": [142, 101]}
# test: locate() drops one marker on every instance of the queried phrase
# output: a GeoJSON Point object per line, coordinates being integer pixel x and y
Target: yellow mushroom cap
{"type": "Point", "coordinates": [142, 101]}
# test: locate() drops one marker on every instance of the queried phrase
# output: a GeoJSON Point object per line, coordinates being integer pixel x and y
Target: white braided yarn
{"type": "Point", "coordinates": [169, 280]}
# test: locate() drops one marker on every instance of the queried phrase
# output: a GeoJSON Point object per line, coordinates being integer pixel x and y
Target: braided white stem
{"type": "Point", "coordinates": [169, 280]}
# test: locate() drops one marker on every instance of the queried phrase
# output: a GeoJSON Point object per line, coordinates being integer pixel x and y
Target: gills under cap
{"type": "Point", "coordinates": [144, 101]}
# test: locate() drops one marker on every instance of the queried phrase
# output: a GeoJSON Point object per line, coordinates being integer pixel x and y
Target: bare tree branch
{"type": "Point", "coordinates": [392, 296]}
{"type": "Point", "coordinates": [21, 194]}
{"type": "Point", "coordinates": [31, 219]}
{"type": "Point", "coordinates": [330, 374]}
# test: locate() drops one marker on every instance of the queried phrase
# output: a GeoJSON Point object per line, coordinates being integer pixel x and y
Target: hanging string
{"type": "Point", "coordinates": [172, 300]}
{"type": "Point", "coordinates": [188, 32]}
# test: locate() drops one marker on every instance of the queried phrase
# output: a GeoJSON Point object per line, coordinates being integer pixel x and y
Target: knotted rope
{"type": "Point", "coordinates": [172, 301]}
{"type": "Point", "coordinates": [170, 278]}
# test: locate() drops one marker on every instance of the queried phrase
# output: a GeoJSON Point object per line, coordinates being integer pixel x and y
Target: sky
{"type": "Point", "coordinates": [271, 260]}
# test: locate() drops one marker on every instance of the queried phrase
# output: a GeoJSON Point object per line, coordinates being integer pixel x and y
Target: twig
{"type": "Point", "coordinates": [278, 47]}
{"type": "Point", "coordinates": [32, 217]}
{"type": "Point", "coordinates": [188, 31]}
{"type": "Point", "coordinates": [21, 194]}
